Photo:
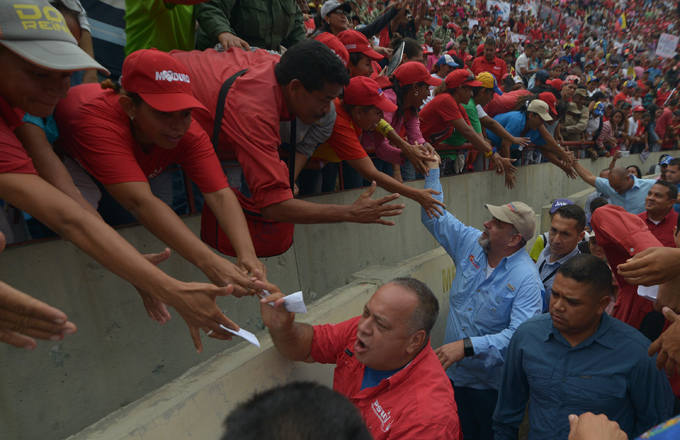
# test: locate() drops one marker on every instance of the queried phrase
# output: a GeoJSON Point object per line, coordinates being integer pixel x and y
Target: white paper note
{"type": "Point", "coordinates": [294, 302]}
{"type": "Point", "coordinates": [649, 293]}
{"type": "Point", "coordinates": [245, 334]}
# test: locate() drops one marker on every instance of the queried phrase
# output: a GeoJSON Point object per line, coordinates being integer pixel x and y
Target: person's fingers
{"type": "Point", "coordinates": [390, 212]}
{"type": "Point", "coordinates": [573, 422]}
{"type": "Point", "coordinates": [384, 222]}
{"type": "Point", "coordinates": [670, 367]}
{"type": "Point", "coordinates": [17, 340]}
{"type": "Point", "coordinates": [447, 364]}
{"type": "Point", "coordinates": [22, 304]}
{"type": "Point", "coordinates": [29, 322]}
{"type": "Point", "coordinates": [387, 199]}
{"type": "Point", "coordinates": [245, 45]}
{"type": "Point", "coordinates": [428, 212]}
{"type": "Point", "coordinates": [669, 314]}
{"type": "Point", "coordinates": [661, 359]}
{"type": "Point", "coordinates": [32, 332]}
{"type": "Point", "coordinates": [654, 347]}
{"type": "Point", "coordinates": [159, 257]}
{"type": "Point", "coordinates": [369, 192]}
{"type": "Point", "coordinates": [196, 337]}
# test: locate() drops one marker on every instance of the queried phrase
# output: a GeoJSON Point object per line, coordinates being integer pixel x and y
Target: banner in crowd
{"type": "Point", "coordinates": [516, 38]}
{"type": "Point", "coordinates": [572, 23]}
{"type": "Point", "coordinates": [528, 8]}
{"type": "Point", "coordinates": [547, 14]}
{"type": "Point", "coordinates": [667, 46]}
{"type": "Point", "coordinates": [472, 22]}
{"type": "Point", "coordinates": [503, 6]}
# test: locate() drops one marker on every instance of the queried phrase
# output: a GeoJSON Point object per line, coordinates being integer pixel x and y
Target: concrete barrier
{"type": "Point", "coordinates": [120, 355]}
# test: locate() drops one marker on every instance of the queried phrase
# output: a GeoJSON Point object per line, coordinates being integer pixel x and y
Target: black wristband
{"type": "Point", "coordinates": [467, 345]}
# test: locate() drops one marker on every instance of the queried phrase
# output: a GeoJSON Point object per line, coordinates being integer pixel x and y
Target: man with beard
{"type": "Point", "coordinates": [496, 289]}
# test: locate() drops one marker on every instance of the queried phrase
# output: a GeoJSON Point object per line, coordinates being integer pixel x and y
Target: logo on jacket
{"type": "Point", "coordinates": [472, 260]}
{"type": "Point", "coordinates": [384, 417]}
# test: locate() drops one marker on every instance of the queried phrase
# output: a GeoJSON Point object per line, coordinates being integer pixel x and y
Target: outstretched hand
{"type": "Point", "coordinates": [668, 345]}
{"type": "Point", "coordinates": [367, 210]}
{"type": "Point", "coordinates": [154, 306]}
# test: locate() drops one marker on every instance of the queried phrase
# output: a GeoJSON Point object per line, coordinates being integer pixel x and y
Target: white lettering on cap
{"type": "Point", "coordinates": [350, 46]}
{"type": "Point", "coordinates": [170, 76]}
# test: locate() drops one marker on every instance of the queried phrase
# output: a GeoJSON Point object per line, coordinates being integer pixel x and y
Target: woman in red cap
{"type": "Point", "coordinates": [359, 110]}
{"type": "Point", "coordinates": [124, 136]}
{"type": "Point", "coordinates": [408, 90]}
{"type": "Point", "coordinates": [444, 114]}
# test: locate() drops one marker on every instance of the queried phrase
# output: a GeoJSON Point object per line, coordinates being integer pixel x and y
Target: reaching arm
{"type": "Point", "coordinates": [552, 146]}
{"type": "Point", "coordinates": [161, 221]}
{"type": "Point", "coordinates": [86, 44]}
{"type": "Point", "coordinates": [48, 165]}
{"type": "Point", "coordinates": [379, 24]}
{"type": "Point", "coordinates": [584, 174]}
{"type": "Point", "coordinates": [421, 15]}
{"type": "Point", "coordinates": [501, 162]}
{"type": "Point", "coordinates": [492, 125]}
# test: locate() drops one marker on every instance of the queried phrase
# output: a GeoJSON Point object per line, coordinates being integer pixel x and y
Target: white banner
{"type": "Point", "coordinates": [528, 8]}
{"type": "Point", "coordinates": [516, 38]}
{"type": "Point", "coordinates": [667, 46]}
{"type": "Point", "coordinates": [504, 8]}
{"type": "Point", "coordinates": [472, 22]}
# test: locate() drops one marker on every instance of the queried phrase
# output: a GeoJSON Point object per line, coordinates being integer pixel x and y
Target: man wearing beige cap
{"type": "Point", "coordinates": [496, 288]}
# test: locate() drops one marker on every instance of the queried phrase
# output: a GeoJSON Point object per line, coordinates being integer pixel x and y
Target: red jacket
{"type": "Point", "coordinates": [497, 67]}
{"type": "Point", "coordinates": [415, 403]}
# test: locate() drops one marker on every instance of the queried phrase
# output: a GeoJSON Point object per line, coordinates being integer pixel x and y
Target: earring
{"type": "Point", "coordinates": [415, 93]}
{"type": "Point", "coordinates": [132, 118]}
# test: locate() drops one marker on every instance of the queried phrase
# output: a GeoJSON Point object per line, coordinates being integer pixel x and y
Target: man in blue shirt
{"type": "Point", "coordinates": [673, 176]}
{"type": "Point", "coordinates": [623, 189]}
{"type": "Point", "coordinates": [567, 229]}
{"type": "Point", "coordinates": [579, 359]}
{"type": "Point", "coordinates": [496, 288]}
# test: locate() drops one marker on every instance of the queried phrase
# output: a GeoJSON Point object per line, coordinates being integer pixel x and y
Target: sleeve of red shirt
{"type": "Point", "coordinates": [450, 111]}
{"type": "Point", "coordinates": [13, 157]}
{"type": "Point", "coordinates": [330, 340]}
{"type": "Point", "coordinates": [257, 140]}
{"type": "Point", "coordinates": [344, 141]}
{"type": "Point", "coordinates": [200, 161]}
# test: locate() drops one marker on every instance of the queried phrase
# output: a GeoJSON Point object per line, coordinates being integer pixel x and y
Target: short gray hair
{"type": "Point", "coordinates": [425, 314]}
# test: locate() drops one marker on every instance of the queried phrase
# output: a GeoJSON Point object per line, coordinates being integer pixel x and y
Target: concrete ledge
{"type": "Point", "coordinates": [195, 404]}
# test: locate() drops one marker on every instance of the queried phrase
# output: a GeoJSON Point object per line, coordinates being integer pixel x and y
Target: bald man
{"type": "Point", "coordinates": [623, 189]}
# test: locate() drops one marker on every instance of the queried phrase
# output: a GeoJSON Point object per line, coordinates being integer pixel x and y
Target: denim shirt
{"type": "Point", "coordinates": [550, 270]}
{"type": "Point", "coordinates": [488, 311]}
{"type": "Point", "coordinates": [609, 373]}
{"type": "Point", "coordinates": [632, 200]}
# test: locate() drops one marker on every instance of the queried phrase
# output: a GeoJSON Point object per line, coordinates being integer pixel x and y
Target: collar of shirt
{"type": "Point", "coordinates": [650, 224]}
{"type": "Point", "coordinates": [341, 113]}
{"type": "Point", "coordinates": [545, 256]}
{"type": "Point", "coordinates": [12, 117]}
{"type": "Point", "coordinates": [601, 335]}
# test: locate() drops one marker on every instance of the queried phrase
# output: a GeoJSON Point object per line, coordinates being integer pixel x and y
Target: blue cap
{"type": "Point", "coordinates": [542, 75]}
{"type": "Point", "coordinates": [666, 160]}
{"type": "Point", "coordinates": [559, 203]}
{"type": "Point", "coordinates": [599, 109]}
{"type": "Point", "coordinates": [448, 60]}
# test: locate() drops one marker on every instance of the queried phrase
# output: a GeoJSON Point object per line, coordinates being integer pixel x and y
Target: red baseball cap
{"type": "Point", "coordinates": [426, 51]}
{"type": "Point", "coordinates": [461, 77]}
{"type": "Point", "coordinates": [160, 80]}
{"type": "Point", "coordinates": [335, 45]}
{"type": "Point", "coordinates": [639, 108]}
{"type": "Point", "coordinates": [355, 41]}
{"type": "Point", "coordinates": [555, 84]}
{"type": "Point", "coordinates": [365, 91]}
{"type": "Point", "coordinates": [415, 72]}
{"type": "Point", "coordinates": [549, 99]}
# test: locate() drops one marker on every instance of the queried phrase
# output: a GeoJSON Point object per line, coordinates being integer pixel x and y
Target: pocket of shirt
{"type": "Point", "coordinates": [595, 393]}
{"type": "Point", "coordinates": [497, 305]}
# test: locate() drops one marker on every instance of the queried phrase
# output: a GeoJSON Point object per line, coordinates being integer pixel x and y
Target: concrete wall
{"type": "Point", "coordinates": [119, 355]}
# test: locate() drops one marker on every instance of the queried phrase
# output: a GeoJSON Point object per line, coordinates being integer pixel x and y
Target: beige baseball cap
{"type": "Point", "coordinates": [540, 107]}
{"type": "Point", "coordinates": [518, 214]}
{"type": "Point", "coordinates": [37, 32]}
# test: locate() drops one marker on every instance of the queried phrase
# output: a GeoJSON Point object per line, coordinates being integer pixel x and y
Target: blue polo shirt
{"type": "Point", "coordinates": [514, 123]}
{"type": "Point", "coordinates": [632, 200]}
{"type": "Point", "coordinates": [677, 205]}
{"type": "Point", "coordinates": [609, 373]}
{"type": "Point", "coordinates": [486, 310]}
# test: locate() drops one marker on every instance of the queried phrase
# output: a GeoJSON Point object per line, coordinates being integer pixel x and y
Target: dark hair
{"type": "Point", "coordinates": [637, 169]}
{"type": "Point", "coordinates": [313, 64]}
{"type": "Point", "coordinates": [425, 314]}
{"type": "Point", "coordinates": [61, 7]}
{"type": "Point", "coordinates": [597, 202]}
{"type": "Point", "coordinates": [116, 87]}
{"type": "Point", "coordinates": [401, 92]}
{"type": "Point", "coordinates": [573, 212]}
{"type": "Point", "coordinates": [298, 410]}
{"type": "Point", "coordinates": [411, 46]}
{"type": "Point", "coordinates": [673, 102]}
{"type": "Point", "coordinates": [672, 189]}
{"type": "Point", "coordinates": [463, 40]}
{"type": "Point", "coordinates": [675, 162]}
{"type": "Point", "coordinates": [590, 270]}
{"type": "Point", "coordinates": [529, 46]}
{"type": "Point", "coordinates": [356, 57]}
{"type": "Point", "coordinates": [491, 41]}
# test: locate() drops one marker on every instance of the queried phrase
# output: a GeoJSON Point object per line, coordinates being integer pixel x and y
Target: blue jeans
{"type": "Point", "coordinates": [408, 172]}
{"type": "Point", "coordinates": [475, 411]}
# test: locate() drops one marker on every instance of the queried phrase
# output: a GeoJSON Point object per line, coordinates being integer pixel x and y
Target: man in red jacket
{"type": "Point", "coordinates": [489, 62]}
{"type": "Point", "coordinates": [384, 362]}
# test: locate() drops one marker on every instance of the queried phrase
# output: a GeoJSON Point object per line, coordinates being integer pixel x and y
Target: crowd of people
{"type": "Point", "coordinates": [260, 102]}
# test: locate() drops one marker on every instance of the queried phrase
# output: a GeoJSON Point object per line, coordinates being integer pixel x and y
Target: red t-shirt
{"type": "Point", "coordinates": [536, 35]}
{"type": "Point", "coordinates": [497, 67]}
{"type": "Point", "coordinates": [661, 97]}
{"type": "Point", "coordinates": [415, 403]}
{"type": "Point", "coordinates": [521, 27]}
{"type": "Point", "coordinates": [252, 114]}
{"type": "Point", "coordinates": [621, 96]}
{"type": "Point", "coordinates": [13, 156]}
{"type": "Point", "coordinates": [95, 131]}
{"type": "Point", "coordinates": [663, 231]}
{"type": "Point", "coordinates": [345, 139]}
{"type": "Point", "coordinates": [504, 103]}
{"type": "Point", "coordinates": [437, 115]}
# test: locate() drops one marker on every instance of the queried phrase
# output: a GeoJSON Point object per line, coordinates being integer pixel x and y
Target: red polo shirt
{"type": "Point", "coordinates": [536, 35]}
{"type": "Point", "coordinates": [344, 142]}
{"type": "Point", "coordinates": [13, 157]}
{"type": "Point", "coordinates": [437, 115]}
{"type": "Point", "coordinates": [622, 235]}
{"type": "Point", "coordinates": [621, 96]}
{"type": "Point", "coordinates": [504, 103]}
{"type": "Point", "coordinates": [497, 67]}
{"type": "Point", "coordinates": [95, 131]}
{"type": "Point", "coordinates": [252, 113]}
{"type": "Point", "coordinates": [664, 230]}
{"type": "Point", "coordinates": [415, 403]}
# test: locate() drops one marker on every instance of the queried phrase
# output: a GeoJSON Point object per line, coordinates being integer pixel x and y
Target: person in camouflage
{"type": "Point", "coordinates": [427, 24]}
{"type": "Point", "coordinates": [442, 32]}
{"type": "Point", "coordinates": [377, 12]}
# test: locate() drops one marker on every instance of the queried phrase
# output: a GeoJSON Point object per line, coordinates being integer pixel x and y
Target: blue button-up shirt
{"type": "Point", "coordinates": [609, 373]}
{"type": "Point", "coordinates": [514, 123]}
{"type": "Point", "coordinates": [632, 200]}
{"type": "Point", "coordinates": [486, 310]}
{"type": "Point", "coordinates": [548, 270]}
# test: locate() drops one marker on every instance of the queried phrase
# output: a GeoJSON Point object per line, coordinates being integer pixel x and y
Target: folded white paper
{"type": "Point", "coordinates": [245, 334]}
{"type": "Point", "coordinates": [294, 302]}
{"type": "Point", "coordinates": [650, 292]}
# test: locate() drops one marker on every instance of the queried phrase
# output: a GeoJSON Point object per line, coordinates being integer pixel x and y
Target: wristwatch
{"type": "Point", "coordinates": [469, 349]}
{"type": "Point", "coordinates": [491, 153]}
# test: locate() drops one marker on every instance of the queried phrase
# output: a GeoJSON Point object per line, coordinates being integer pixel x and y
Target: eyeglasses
{"type": "Point", "coordinates": [340, 11]}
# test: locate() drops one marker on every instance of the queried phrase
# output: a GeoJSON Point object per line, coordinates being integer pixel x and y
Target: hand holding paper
{"type": "Point", "coordinates": [294, 302]}
{"type": "Point", "coordinates": [245, 334]}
